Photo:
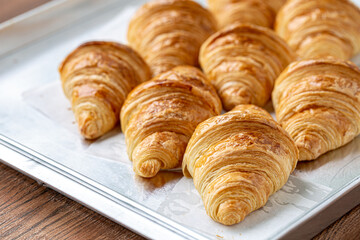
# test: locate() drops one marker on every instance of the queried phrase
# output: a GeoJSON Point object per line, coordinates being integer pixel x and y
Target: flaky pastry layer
{"type": "Point", "coordinates": [320, 28]}
{"type": "Point", "coordinates": [237, 160]}
{"type": "Point", "coordinates": [96, 77]}
{"type": "Point", "coordinates": [160, 115]}
{"type": "Point", "coordinates": [318, 103]}
{"type": "Point", "coordinates": [243, 61]}
{"type": "Point", "coordinates": [169, 33]}
{"type": "Point", "coordinates": [257, 12]}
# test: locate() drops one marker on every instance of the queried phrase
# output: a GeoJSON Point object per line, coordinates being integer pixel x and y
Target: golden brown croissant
{"type": "Point", "coordinates": [318, 104]}
{"type": "Point", "coordinates": [96, 77]}
{"type": "Point", "coordinates": [237, 160]}
{"type": "Point", "coordinates": [159, 116]}
{"type": "Point", "coordinates": [243, 61]}
{"type": "Point", "coordinates": [320, 28]}
{"type": "Point", "coordinates": [169, 33]}
{"type": "Point", "coordinates": [258, 12]}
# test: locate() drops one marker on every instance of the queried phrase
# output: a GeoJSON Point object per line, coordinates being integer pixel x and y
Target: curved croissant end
{"type": "Point", "coordinates": [169, 33]}
{"type": "Point", "coordinates": [237, 160]}
{"type": "Point", "coordinates": [243, 61]}
{"type": "Point", "coordinates": [320, 28]}
{"type": "Point", "coordinates": [96, 77]}
{"type": "Point", "coordinates": [160, 150]}
{"type": "Point", "coordinates": [257, 12]}
{"type": "Point", "coordinates": [318, 104]}
{"type": "Point", "coordinates": [159, 116]}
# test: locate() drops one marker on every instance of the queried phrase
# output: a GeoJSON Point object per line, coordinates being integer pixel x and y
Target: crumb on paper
{"type": "Point", "coordinates": [218, 236]}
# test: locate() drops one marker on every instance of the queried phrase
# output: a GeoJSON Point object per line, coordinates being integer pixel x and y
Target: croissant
{"type": "Point", "coordinates": [243, 61]}
{"type": "Point", "coordinates": [318, 103]}
{"type": "Point", "coordinates": [169, 33]}
{"type": "Point", "coordinates": [320, 28]}
{"type": "Point", "coordinates": [237, 160]}
{"type": "Point", "coordinates": [258, 12]}
{"type": "Point", "coordinates": [159, 116]}
{"type": "Point", "coordinates": [96, 77]}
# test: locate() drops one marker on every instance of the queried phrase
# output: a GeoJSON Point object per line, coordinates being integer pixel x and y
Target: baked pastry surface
{"type": "Point", "coordinates": [320, 28]}
{"type": "Point", "coordinates": [237, 160]}
{"type": "Point", "coordinates": [318, 103]}
{"type": "Point", "coordinates": [96, 77]}
{"type": "Point", "coordinates": [243, 61]}
{"type": "Point", "coordinates": [160, 115]}
{"type": "Point", "coordinates": [258, 12]}
{"type": "Point", "coordinates": [169, 33]}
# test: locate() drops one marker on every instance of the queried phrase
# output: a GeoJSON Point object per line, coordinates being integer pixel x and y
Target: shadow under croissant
{"type": "Point", "coordinates": [335, 155]}
{"type": "Point", "coordinates": [159, 180]}
{"type": "Point", "coordinates": [113, 132]}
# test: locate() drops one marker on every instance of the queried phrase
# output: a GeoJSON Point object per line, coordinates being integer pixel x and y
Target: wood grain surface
{"type": "Point", "coordinates": [346, 227]}
{"type": "Point", "coordinates": [12, 8]}
{"type": "Point", "coordinates": [31, 211]}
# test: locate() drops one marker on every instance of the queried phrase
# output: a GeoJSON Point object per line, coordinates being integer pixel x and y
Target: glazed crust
{"type": "Point", "coordinates": [169, 33]}
{"type": "Point", "coordinates": [318, 103]}
{"type": "Point", "coordinates": [237, 160]}
{"type": "Point", "coordinates": [160, 115]}
{"type": "Point", "coordinates": [258, 12]}
{"type": "Point", "coordinates": [96, 77]}
{"type": "Point", "coordinates": [243, 61]}
{"type": "Point", "coordinates": [320, 28]}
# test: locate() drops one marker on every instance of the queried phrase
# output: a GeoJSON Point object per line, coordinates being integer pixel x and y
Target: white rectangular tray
{"type": "Point", "coordinates": [38, 137]}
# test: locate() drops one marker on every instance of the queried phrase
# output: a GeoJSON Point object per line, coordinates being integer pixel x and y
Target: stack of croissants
{"type": "Point", "coordinates": [185, 63]}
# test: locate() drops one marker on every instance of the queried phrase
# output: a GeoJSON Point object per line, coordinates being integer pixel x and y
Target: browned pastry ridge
{"type": "Point", "coordinates": [96, 77]}
{"type": "Point", "coordinates": [243, 61]}
{"type": "Point", "coordinates": [320, 28]}
{"type": "Point", "coordinates": [258, 12]}
{"type": "Point", "coordinates": [160, 115]}
{"type": "Point", "coordinates": [318, 103]}
{"type": "Point", "coordinates": [237, 160]}
{"type": "Point", "coordinates": [169, 33]}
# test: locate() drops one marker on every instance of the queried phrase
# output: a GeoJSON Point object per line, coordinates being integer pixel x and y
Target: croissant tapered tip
{"type": "Point", "coordinates": [148, 168]}
{"type": "Point", "coordinates": [230, 212]}
{"type": "Point", "coordinates": [88, 125]}
{"type": "Point", "coordinates": [234, 96]}
{"type": "Point", "coordinates": [305, 154]}
{"type": "Point", "coordinates": [309, 147]}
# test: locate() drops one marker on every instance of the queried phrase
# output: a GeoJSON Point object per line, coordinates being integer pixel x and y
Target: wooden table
{"type": "Point", "coordinates": [32, 211]}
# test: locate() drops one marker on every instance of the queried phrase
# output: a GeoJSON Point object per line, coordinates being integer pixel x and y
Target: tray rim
{"type": "Point", "coordinates": [23, 155]}
{"type": "Point", "coordinates": [170, 229]}
{"type": "Point", "coordinates": [43, 162]}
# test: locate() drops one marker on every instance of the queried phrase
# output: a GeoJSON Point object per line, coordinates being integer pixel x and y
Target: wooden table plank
{"type": "Point", "coordinates": [31, 211]}
{"type": "Point", "coordinates": [347, 227]}
{"type": "Point", "coordinates": [12, 8]}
